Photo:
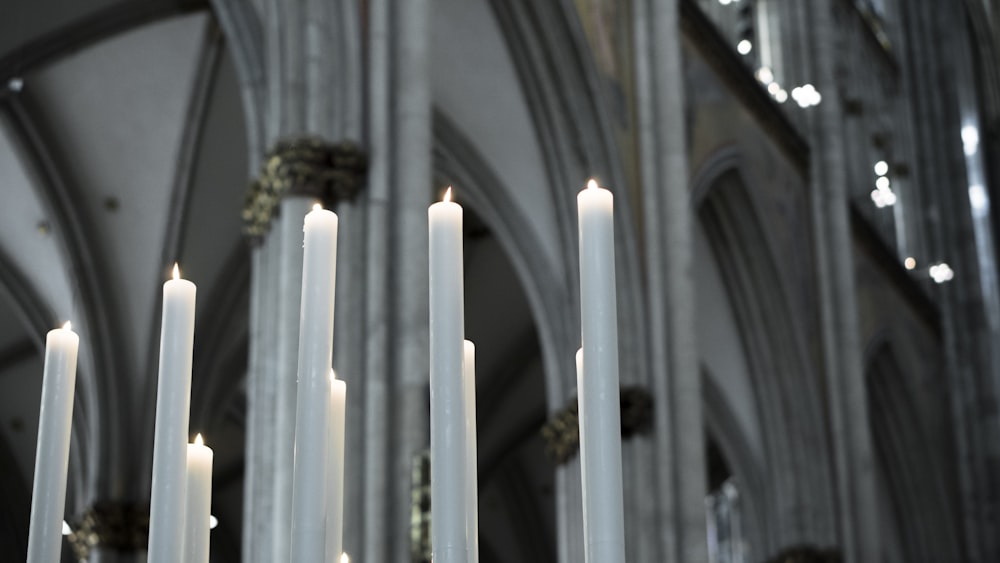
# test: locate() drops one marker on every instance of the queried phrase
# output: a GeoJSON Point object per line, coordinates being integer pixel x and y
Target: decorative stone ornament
{"type": "Point", "coordinates": [306, 166]}
{"type": "Point", "coordinates": [562, 432]}
{"type": "Point", "coordinates": [122, 527]}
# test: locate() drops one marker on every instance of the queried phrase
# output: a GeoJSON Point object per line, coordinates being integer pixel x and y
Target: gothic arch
{"type": "Point", "coordinates": [919, 509]}
{"type": "Point", "coordinates": [787, 392]}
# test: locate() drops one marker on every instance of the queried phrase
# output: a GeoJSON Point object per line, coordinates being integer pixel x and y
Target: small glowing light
{"type": "Point", "coordinates": [198, 440]}
{"type": "Point", "coordinates": [978, 199]}
{"type": "Point", "coordinates": [781, 96]}
{"type": "Point", "coordinates": [344, 558]}
{"type": "Point", "coordinates": [765, 75]}
{"type": "Point", "coordinates": [970, 139]}
{"type": "Point", "coordinates": [68, 326]}
{"type": "Point", "coordinates": [806, 95]}
{"type": "Point", "coordinates": [15, 84]}
{"type": "Point", "coordinates": [881, 168]}
{"type": "Point", "coordinates": [941, 273]}
{"type": "Point", "coordinates": [66, 530]}
{"type": "Point", "coordinates": [212, 522]}
{"type": "Point", "coordinates": [882, 183]}
{"type": "Point", "coordinates": [773, 88]}
{"type": "Point", "coordinates": [744, 47]}
{"type": "Point", "coordinates": [592, 184]}
{"type": "Point", "coordinates": [910, 263]}
{"type": "Point", "coordinates": [878, 197]}
{"type": "Point", "coordinates": [317, 206]}
{"type": "Point", "coordinates": [177, 272]}
{"type": "Point", "coordinates": [447, 195]}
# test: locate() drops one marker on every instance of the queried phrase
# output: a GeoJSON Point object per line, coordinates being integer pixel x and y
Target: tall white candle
{"type": "Point", "coordinates": [597, 388]}
{"type": "Point", "coordinates": [173, 400]}
{"type": "Point", "coordinates": [335, 470]}
{"type": "Point", "coordinates": [471, 455]}
{"type": "Point", "coordinates": [319, 274]}
{"type": "Point", "coordinates": [447, 333]}
{"type": "Point", "coordinates": [55, 420]}
{"type": "Point", "coordinates": [199, 502]}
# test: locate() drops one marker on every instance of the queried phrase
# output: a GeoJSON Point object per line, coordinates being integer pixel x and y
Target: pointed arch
{"type": "Point", "coordinates": [788, 393]}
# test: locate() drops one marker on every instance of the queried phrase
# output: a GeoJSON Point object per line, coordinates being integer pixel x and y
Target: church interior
{"type": "Point", "coordinates": [808, 308]}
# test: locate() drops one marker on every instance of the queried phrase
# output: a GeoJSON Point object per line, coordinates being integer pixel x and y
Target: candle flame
{"type": "Point", "coordinates": [198, 440]}
{"type": "Point", "coordinates": [344, 558]}
{"type": "Point", "coordinates": [333, 375]}
{"type": "Point", "coordinates": [447, 195]}
{"type": "Point", "coordinates": [68, 326]}
{"type": "Point", "coordinates": [177, 272]}
{"type": "Point", "coordinates": [592, 184]}
{"type": "Point", "coordinates": [317, 206]}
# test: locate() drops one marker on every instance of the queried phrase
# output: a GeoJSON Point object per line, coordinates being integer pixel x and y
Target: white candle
{"type": "Point", "coordinates": [319, 274]}
{"type": "Point", "coordinates": [597, 388]}
{"type": "Point", "coordinates": [335, 470]}
{"type": "Point", "coordinates": [55, 420]}
{"type": "Point", "coordinates": [471, 455]}
{"type": "Point", "coordinates": [173, 399]}
{"type": "Point", "coordinates": [447, 333]}
{"type": "Point", "coordinates": [199, 501]}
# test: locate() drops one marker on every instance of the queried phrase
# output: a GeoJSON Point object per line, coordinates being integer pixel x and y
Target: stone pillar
{"type": "Point", "coordinates": [848, 405]}
{"type": "Point", "coordinates": [396, 388]}
{"type": "Point", "coordinates": [296, 174]}
{"type": "Point", "coordinates": [668, 238]}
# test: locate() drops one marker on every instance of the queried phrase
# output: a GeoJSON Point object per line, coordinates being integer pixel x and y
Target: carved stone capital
{"type": "Point", "coordinates": [807, 554]}
{"type": "Point", "coordinates": [306, 166]}
{"type": "Point", "coordinates": [123, 527]}
{"type": "Point", "coordinates": [562, 431]}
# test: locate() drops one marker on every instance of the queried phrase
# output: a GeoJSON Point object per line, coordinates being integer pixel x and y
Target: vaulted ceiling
{"type": "Point", "coordinates": [122, 150]}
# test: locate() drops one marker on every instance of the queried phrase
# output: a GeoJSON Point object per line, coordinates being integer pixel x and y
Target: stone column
{"type": "Point", "coordinates": [396, 388]}
{"type": "Point", "coordinates": [667, 222]}
{"type": "Point", "coordinates": [855, 465]}
{"type": "Point", "coordinates": [296, 174]}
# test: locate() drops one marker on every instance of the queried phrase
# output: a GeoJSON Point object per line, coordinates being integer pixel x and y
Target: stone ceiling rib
{"type": "Point", "coordinates": [98, 382]}
{"type": "Point", "coordinates": [188, 151]}
{"type": "Point", "coordinates": [89, 29]}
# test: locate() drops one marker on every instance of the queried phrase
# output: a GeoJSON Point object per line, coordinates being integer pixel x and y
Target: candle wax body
{"type": "Point", "coordinates": [471, 453]}
{"type": "Point", "coordinates": [319, 271]}
{"type": "Point", "coordinates": [597, 386]}
{"type": "Point", "coordinates": [335, 494]}
{"type": "Point", "coordinates": [447, 334]}
{"type": "Point", "coordinates": [173, 401]}
{"type": "Point", "coordinates": [199, 503]}
{"type": "Point", "coordinates": [48, 494]}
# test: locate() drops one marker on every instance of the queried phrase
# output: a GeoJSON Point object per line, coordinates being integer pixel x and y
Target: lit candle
{"type": "Point", "coordinates": [199, 501]}
{"type": "Point", "coordinates": [55, 420]}
{"type": "Point", "coordinates": [471, 456]}
{"type": "Point", "coordinates": [597, 386]}
{"type": "Point", "coordinates": [319, 274]}
{"type": "Point", "coordinates": [447, 334]}
{"type": "Point", "coordinates": [173, 400]}
{"type": "Point", "coordinates": [335, 471]}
